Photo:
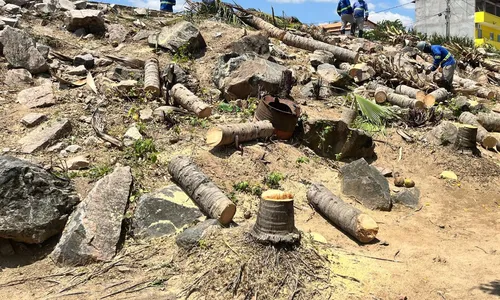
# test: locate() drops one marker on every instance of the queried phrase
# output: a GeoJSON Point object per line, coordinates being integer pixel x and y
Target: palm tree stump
{"type": "Point", "coordinates": [275, 220]}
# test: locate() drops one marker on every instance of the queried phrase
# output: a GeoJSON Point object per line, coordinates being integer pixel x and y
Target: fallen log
{"type": "Point", "coordinates": [490, 121]}
{"type": "Point", "coordinates": [300, 42]}
{"type": "Point", "coordinates": [359, 225]}
{"type": "Point", "coordinates": [243, 132]}
{"type": "Point", "coordinates": [478, 90]}
{"type": "Point", "coordinates": [190, 101]}
{"type": "Point", "coordinates": [438, 96]}
{"type": "Point", "coordinates": [466, 138]}
{"type": "Point", "coordinates": [207, 196]}
{"type": "Point", "coordinates": [348, 115]}
{"type": "Point", "coordinates": [485, 93]}
{"type": "Point", "coordinates": [380, 95]}
{"type": "Point", "coordinates": [152, 77]}
{"type": "Point", "coordinates": [410, 92]}
{"type": "Point", "coordinates": [404, 101]}
{"type": "Point", "coordinates": [483, 136]}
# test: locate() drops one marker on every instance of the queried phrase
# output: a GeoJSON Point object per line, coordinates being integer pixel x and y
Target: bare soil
{"type": "Point", "coordinates": [446, 249]}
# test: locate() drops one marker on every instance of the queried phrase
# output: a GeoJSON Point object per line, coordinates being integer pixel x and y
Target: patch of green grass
{"type": "Point", "coordinates": [302, 160]}
{"type": "Point", "coordinates": [183, 54]}
{"type": "Point", "coordinates": [273, 179]}
{"type": "Point", "coordinates": [227, 107]}
{"type": "Point", "coordinates": [242, 186]}
{"type": "Point", "coordinates": [197, 122]}
{"type": "Point", "coordinates": [144, 149]}
{"type": "Point", "coordinates": [98, 172]}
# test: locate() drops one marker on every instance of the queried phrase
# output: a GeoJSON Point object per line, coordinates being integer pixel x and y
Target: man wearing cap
{"type": "Point", "coordinates": [442, 58]}
{"type": "Point", "coordinates": [167, 5]}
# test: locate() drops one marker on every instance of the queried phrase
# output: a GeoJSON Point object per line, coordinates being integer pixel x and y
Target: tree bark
{"type": "Point", "coordinates": [152, 77]}
{"type": "Point", "coordinates": [348, 115]}
{"type": "Point", "coordinates": [485, 93]}
{"type": "Point", "coordinates": [207, 196]}
{"type": "Point", "coordinates": [490, 121]}
{"type": "Point", "coordinates": [403, 101]}
{"type": "Point", "coordinates": [275, 220]}
{"type": "Point", "coordinates": [190, 101]}
{"type": "Point", "coordinates": [483, 136]}
{"type": "Point", "coordinates": [410, 92]}
{"type": "Point", "coordinates": [466, 138]}
{"type": "Point", "coordinates": [293, 40]}
{"type": "Point", "coordinates": [438, 96]}
{"type": "Point", "coordinates": [227, 134]}
{"type": "Point", "coordinates": [380, 95]}
{"type": "Point", "coordinates": [359, 225]}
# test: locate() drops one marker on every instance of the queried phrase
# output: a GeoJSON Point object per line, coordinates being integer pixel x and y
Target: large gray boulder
{"type": "Point", "coordinates": [365, 182]}
{"type": "Point", "coordinates": [39, 96]}
{"type": "Point", "coordinates": [320, 57]}
{"type": "Point", "coordinates": [34, 204]}
{"type": "Point", "coordinates": [182, 36]}
{"type": "Point", "coordinates": [90, 20]}
{"type": "Point", "coordinates": [18, 77]}
{"type": "Point", "coordinates": [256, 43]}
{"type": "Point", "coordinates": [332, 76]}
{"type": "Point", "coordinates": [117, 33]}
{"type": "Point", "coordinates": [444, 134]}
{"type": "Point", "coordinates": [193, 236]}
{"type": "Point", "coordinates": [20, 51]}
{"type": "Point", "coordinates": [11, 9]}
{"type": "Point", "coordinates": [93, 230]}
{"type": "Point", "coordinates": [240, 76]}
{"type": "Point", "coordinates": [164, 212]}
{"type": "Point", "coordinates": [44, 135]}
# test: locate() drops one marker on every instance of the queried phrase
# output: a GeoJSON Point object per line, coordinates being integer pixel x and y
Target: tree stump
{"type": "Point", "coordinates": [275, 220]}
{"type": "Point", "coordinates": [404, 101]}
{"type": "Point", "coordinates": [286, 84]}
{"type": "Point", "coordinates": [466, 138]}
{"type": "Point", "coordinates": [483, 136]}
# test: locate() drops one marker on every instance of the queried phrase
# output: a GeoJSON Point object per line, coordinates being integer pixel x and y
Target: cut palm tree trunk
{"type": "Point", "coordinates": [380, 95]}
{"type": "Point", "coordinates": [485, 93]}
{"type": "Point", "coordinates": [483, 136]}
{"type": "Point", "coordinates": [466, 138]}
{"type": "Point", "coordinates": [410, 92]}
{"type": "Point", "coordinates": [404, 101]}
{"type": "Point", "coordinates": [348, 115]}
{"type": "Point", "coordinates": [207, 196]}
{"type": "Point", "coordinates": [466, 83]}
{"type": "Point", "coordinates": [243, 132]}
{"type": "Point", "coordinates": [438, 96]}
{"type": "Point", "coordinates": [190, 101]}
{"type": "Point", "coordinates": [497, 136]}
{"type": "Point", "coordinates": [359, 225]}
{"type": "Point", "coordinates": [275, 220]}
{"type": "Point", "coordinates": [490, 121]}
{"type": "Point", "coordinates": [300, 42]}
{"type": "Point", "coordinates": [152, 77]}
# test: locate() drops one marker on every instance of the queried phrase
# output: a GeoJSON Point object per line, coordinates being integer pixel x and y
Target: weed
{"type": "Point", "coordinates": [183, 54]}
{"type": "Point", "coordinates": [338, 156]}
{"type": "Point", "coordinates": [98, 172]}
{"type": "Point", "coordinates": [302, 160]}
{"type": "Point", "coordinates": [273, 179]}
{"type": "Point", "coordinates": [133, 113]}
{"type": "Point", "coordinates": [233, 198]}
{"type": "Point", "coordinates": [144, 149]}
{"type": "Point", "coordinates": [227, 107]}
{"type": "Point", "coordinates": [257, 190]}
{"type": "Point", "coordinates": [196, 122]}
{"type": "Point", "coordinates": [203, 244]}
{"type": "Point", "coordinates": [242, 186]}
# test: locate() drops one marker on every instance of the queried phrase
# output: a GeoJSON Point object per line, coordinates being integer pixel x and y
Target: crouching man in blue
{"type": "Point", "coordinates": [167, 5]}
{"type": "Point", "coordinates": [442, 58]}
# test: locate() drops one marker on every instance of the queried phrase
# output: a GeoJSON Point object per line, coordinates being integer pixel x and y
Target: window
{"type": "Point", "coordinates": [479, 33]}
{"type": "Point", "coordinates": [498, 38]}
{"type": "Point", "coordinates": [492, 37]}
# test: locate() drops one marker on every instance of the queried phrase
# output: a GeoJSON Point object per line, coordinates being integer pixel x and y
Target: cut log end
{"type": "Point", "coordinates": [153, 90]}
{"type": "Point", "coordinates": [205, 113]}
{"type": "Point", "coordinates": [214, 137]}
{"type": "Point", "coordinates": [380, 96]}
{"type": "Point", "coordinates": [227, 214]}
{"type": "Point", "coordinates": [367, 228]}
{"type": "Point", "coordinates": [489, 142]}
{"type": "Point", "coordinates": [429, 100]}
{"type": "Point", "coordinates": [421, 95]}
{"type": "Point", "coordinates": [419, 104]}
{"type": "Point", "coordinates": [276, 195]}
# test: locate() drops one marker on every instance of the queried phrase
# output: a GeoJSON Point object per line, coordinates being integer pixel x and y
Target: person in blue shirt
{"type": "Point", "coordinates": [360, 15]}
{"type": "Point", "coordinates": [442, 58]}
{"type": "Point", "coordinates": [167, 5]}
{"type": "Point", "coordinates": [345, 11]}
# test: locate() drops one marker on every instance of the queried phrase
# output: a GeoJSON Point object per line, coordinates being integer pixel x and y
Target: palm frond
{"type": "Point", "coordinates": [373, 112]}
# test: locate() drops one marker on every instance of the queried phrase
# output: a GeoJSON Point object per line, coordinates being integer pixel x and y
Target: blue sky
{"type": "Point", "coordinates": [309, 11]}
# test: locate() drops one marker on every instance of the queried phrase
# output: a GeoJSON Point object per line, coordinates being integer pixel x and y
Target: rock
{"type": "Point", "coordinates": [308, 91]}
{"type": "Point", "coordinates": [320, 57]}
{"type": "Point", "coordinates": [80, 4]}
{"type": "Point", "coordinates": [139, 23]}
{"type": "Point", "coordinates": [182, 36]}
{"type": "Point", "coordinates": [73, 148]}
{"type": "Point", "coordinates": [256, 43]}
{"type": "Point", "coordinates": [55, 147]}
{"type": "Point", "coordinates": [6, 248]}
{"type": "Point", "coordinates": [332, 76]}
{"type": "Point", "coordinates": [86, 60]}
{"type": "Point", "coordinates": [182, 77]}
{"type": "Point", "coordinates": [11, 9]}
{"type": "Point", "coordinates": [20, 51]}
{"type": "Point", "coordinates": [153, 40]}
{"type": "Point", "coordinates": [192, 236]}
{"type": "Point", "coordinates": [444, 134]}
{"type": "Point", "coordinates": [277, 52]}
{"type": "Point", "coordinates": [66, 5]}
{"type": "Point", "coordinates": [126, 85]}
{"type": "Point", "coordinates": [450, 175]}
{"type": "Point", "coordinates": [333, 139]}
{"type": "Point", "coordinates": [363, 72]}
{"type": "Point", "coordinates": [17, 2]}
{"type": "Point", "coordinates": [91, 20]}
{"type": "Point", "coordinates": [365, 182]}
{"type": "Point", "coordinates": [45, 8]}
{"type": "Point", "coordinates": [142, 35]}
{"type": "Point", "coordinates": [124, 73]}
{"type": "Point", "coordinates": [146, 115]}
{"type": "Point", "coordinates": [81, 32]}
{"type": "Point", "coordinates": [12, 22]}
{"type": "Point", "coordinates": [240, 77]}
{"type": "Point", "coordinates": [140, 12]}
{"type": "Point", "coordinates": [77, 163]}
{"type": "Point", "coordinates": [39, 96]}
{"type": "Point", "coordinates": [117, 33]}
{"type": "Point", "coordinates": [78, 71]}
{"type": "Point", "coordinates": [33, 119]}
{"type": "Point", "coordinates": [17, 77]}
{"type": "Point", "coordinates": [93, 230]}
{"type": "Point", "coordinates": [2, 3]}
{"type": "Point", "coordinates": [407, 197]}
{"type": "Point", "coordinates": [164, 212]}
{"type": "Point", "coordinates": [34, 204]}
{"type": "Point", "coordinates": [362, 45]}
{"type": "Point", "coordinates": [92, 141]}
{"type": "Point", "coordinates": [133, 134]}
{"type": "Point", "coordinates": [384, 171]}
{"type": "Point", "coordinates": [103, 62]}
{"type": "Point", "coordinates": [43, 49]}
{"type": "Point", "coordinates": [42, 136]}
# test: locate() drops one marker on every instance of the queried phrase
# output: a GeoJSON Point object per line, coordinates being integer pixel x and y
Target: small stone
{"type": "Point", "coordinates": [80, 71]}
{"type": "Point", "coordinates": [56, 147]}
{"type": "Point", "coordinates": [86, 59]}
{"type": "Point", "coordinates": [44, 135]}
{"type": "Point", "coordinates": [85, 119]}
{"type": "Point", "coordinates": [16, 77]}
{"type": "Point", "coordinates": [408, 197]}
{"type": "Point", "coordinates": [124, 73]}
{"type": "Point", "coordinates": [91, 20]}
{"type": "Point", "coordinates": [103, 62]}
{"type": "Point", "coordinates": [192, 236]}
{"type": "Point", "coordinates": [140, 24]}
{"type": "Point", "coordinates": [80, 32]}
{"type": "Point", "coordinates": [40, 96]}
{"type": "Point", "coordinates": [133, 134]}
{"type": "Point", "coordinates": [146, 114]}
{"type": "Point", "coordinates": [91, 141]}
{"type": "Point", "coordinates": [247, 215]}
{"type": "Point", "coordinates": [142, 35]}
{"type": "Point", "coordinates": [126, 85]}
{"type": "Point", "coordinates": [5, 150]}
{"type": "Point", "coordinates": [117, 33]}
{"type": "Point", "coordinates": [77, 163]}
{"type": "Point", "coordinates": [12, 22]}
{"type": "Point", "coordinates": [73, 148]}
{"type": "Point", "coordinates": [63, 153]}
{"type": "Point", "coordinates": [11, 9]}
{"type": "Point", "coordinates": [45, 8]}
{"type": "Point", "coordinates": [43, 49]}
{"type": "Point", "coordinates": [141, 12]}
{"type": "Point", "coordinates": [80, 4]}
{"type": "Point", "coordinates": [33, 119]}
{"type": "Point", "coordinates": [318, 238]}
{"type": "Point", "coordinates": [66, 5]}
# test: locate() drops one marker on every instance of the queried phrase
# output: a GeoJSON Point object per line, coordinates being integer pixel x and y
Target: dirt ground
{"type": "Point", "coordinates": [449, 248]}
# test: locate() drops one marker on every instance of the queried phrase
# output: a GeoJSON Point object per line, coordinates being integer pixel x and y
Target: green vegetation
{"type": "Point", "coordinates": [228, 107]}
{"type": "Point", "coordinates": [183, 54]}
{"type": "Point", "coordinates": [144, 149]}
{"type": "Point", "coordinates": [273, 179]}
{"type": "Point", "coordinates": [302, 160]}
{"type": "Point", "coordinates": [197, 122]}
{"type": "Point", "coordinates": [245, 187]}
{"type": "Point", "coordinates": [98, 172]}
{"type": "Point", "coordinates": [372, 112]}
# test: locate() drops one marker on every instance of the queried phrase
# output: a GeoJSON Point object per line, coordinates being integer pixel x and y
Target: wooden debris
{"type": "Point", "coordinates": [190, 101]}
{"type": "Point", "coordinates": [410, 92]}
{"type": "Point", "coordinates": [404, 101]}
{"type": "Point", "coordinates": [466, 138]}
{"type": "Point", "coordinates": [152, 77]}
{"type": "Point", "coordinates": [380, 95]}
{"type": "Point", "coordinates": [483, 136]}
{"type": "Point", "coordinates": [438, 96]}
{"type": "Point", "coordinates": [207, 196]}
{"type": "Point", "coordinates": [359, 225]}
{"type": "Point", "coordinates": [98, 126]}
{"type": "Point", "coordinates": [127, 61]}
{"type": "Point", "coordinates": [243, 132]}
{"type": "Point", "coordinates": [490, 121]}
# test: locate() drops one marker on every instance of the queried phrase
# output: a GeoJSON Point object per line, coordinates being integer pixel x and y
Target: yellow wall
{"type": "Point", "coordinates": [488, 25]}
